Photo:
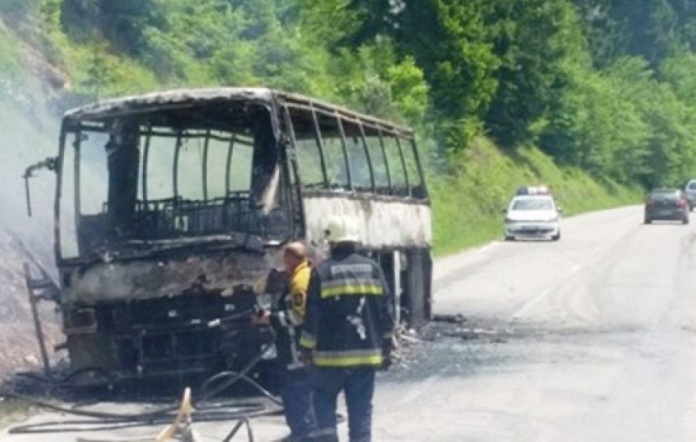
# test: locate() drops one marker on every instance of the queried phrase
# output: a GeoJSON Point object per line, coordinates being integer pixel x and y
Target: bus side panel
{"type": "Point", "coordinates": [383, 224]}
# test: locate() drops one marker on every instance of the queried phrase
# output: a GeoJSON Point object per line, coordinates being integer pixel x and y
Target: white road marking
{"type": "Point", "coordinates": [541, 297]}
{"type": "Point", "coordinates": [531, 304]}
{"type": "Point", "coordinates": [418, 389]}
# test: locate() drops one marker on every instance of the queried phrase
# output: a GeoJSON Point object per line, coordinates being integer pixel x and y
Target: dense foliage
{"type": "Point", "coordinates": [604, 85]}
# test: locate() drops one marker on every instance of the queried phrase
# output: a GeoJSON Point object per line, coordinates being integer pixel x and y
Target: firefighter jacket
{"type": "Point", "coordinates": [349, 312]}
{"type": "Point", "coordinates": [289, 316]}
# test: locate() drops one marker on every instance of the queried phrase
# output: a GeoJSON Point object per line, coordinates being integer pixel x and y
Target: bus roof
{"type": "Point", "coordinates": [186, 98]}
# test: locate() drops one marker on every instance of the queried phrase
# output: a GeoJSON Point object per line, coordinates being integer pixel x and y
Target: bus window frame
{"type": "Point", "coordinates": [344, 147]}
{"type": "Point", "coordinates": [204, 168]}
{"type": "Point", "coordinates": [419, 168]}
{"type": "Point", "coordinates": [175, 167]}
{"type": "Point", "coordinates": [397, 170]}
{"type": "Point", "coordinates": [400, 137]}
{"type": "Point", "coordinates": [319, 140]}
{"type": "Point", "coordinates": [57, 241]}
{"type": "Point", "coordinates": [77, 159]}
{"type": "Point", "coordinates": [228, 163]}
{"type": "Point", "coordinates": [145, 159]}
{"type": "Point", "coordinates": [403, 164]}
{"type": "Point", "coordinates": [182, 135]}
{"type": "Point", "coordinates": [367, 157]}
{"type": "Point", "coordinates": [385, 158]}
{"type": "Point", "coordinates": [288, 162]}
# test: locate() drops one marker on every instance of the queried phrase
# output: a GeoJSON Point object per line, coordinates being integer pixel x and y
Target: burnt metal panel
{"type": "Point", "coordinates": [164, 337]}
{"type": "Point", "coordinates": [383, 223]}
{"type": "Point", "coordinates": [149, 278]}
{"type": "Point", "coordinates": [186, 98]}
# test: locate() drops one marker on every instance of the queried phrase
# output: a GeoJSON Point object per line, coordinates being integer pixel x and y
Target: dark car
{"type": "Point", "coordinates": [667, 205]}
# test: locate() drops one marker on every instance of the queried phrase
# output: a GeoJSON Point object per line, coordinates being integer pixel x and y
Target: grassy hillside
{"type": "Point", "coordinates": [468, 204]}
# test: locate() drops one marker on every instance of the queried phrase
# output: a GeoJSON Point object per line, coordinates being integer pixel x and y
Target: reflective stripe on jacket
{"type": "Point", "coordinates": [290, 315]}
{"type": "Point", "coordinates": [349, 312]}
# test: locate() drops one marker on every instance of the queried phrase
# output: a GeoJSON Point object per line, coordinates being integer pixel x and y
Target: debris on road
{"type": "Point", "coordinates": [450, 318]}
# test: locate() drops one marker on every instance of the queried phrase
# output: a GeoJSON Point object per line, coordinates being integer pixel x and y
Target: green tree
{"type": "Point", "coordinates": [122, 22]}
{"type": "Point", "coordinates": [532, 39]}
{"type": "Point", "coordinates": [605, 38]}
{"type": "Point", "coordinates": [450, 42]}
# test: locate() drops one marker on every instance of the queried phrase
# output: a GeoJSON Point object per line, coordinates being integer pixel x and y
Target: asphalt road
{"type": "Point", "coordinates": [592, 338]}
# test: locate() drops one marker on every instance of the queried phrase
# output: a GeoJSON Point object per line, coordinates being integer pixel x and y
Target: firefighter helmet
{"type": "Point", "coordinates": [342, 229]}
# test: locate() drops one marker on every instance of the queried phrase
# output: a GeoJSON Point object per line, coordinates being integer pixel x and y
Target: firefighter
{"type": "Point", "coordinates": [287, 320]}
{"type": "Point", "coordinates": [348, 332]}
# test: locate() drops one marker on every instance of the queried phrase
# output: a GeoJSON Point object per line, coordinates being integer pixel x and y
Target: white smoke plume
{"type": "Point", "coordinates": [28, 134]}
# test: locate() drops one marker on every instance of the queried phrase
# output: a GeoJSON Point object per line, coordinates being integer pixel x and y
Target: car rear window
{"type": "Point", "coordinates": [532, 204]}
{"type": "Point", "coordinates": [665, 194]}
{"type": "Point", "coordinates": [692, 185]}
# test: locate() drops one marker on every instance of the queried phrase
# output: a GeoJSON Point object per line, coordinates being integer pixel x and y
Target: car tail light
{"type": "Point", "coordinates": [681, 203]}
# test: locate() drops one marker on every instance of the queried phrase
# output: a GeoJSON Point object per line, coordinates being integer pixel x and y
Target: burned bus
{"type": "Point", "coordinates": [171, 206]}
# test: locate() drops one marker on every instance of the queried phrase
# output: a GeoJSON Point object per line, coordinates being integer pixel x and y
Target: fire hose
{"type": "Point", "coordinates": [212, 387]}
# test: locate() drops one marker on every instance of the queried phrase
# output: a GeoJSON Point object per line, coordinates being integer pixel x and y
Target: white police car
{"type": "Point", "coordinates": [533, 213]}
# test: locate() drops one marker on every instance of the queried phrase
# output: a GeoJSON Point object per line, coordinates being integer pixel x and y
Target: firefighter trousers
{"type": "Point", "coordinates": [296, 395]}
{"type": "Point", "coordinates": [358, 386]}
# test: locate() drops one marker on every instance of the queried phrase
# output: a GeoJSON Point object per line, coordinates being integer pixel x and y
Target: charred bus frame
{"type": "Point", "coordinates": [146, 264]}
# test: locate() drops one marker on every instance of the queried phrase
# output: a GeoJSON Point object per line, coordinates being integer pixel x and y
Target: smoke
{"type": "Point", "coordinates": [28, 134]}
